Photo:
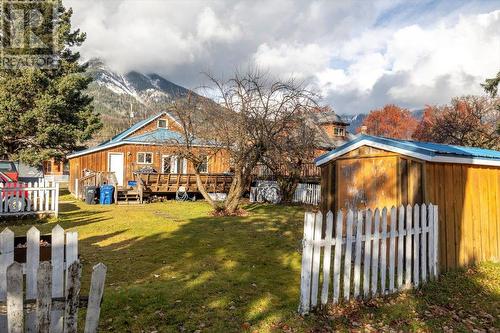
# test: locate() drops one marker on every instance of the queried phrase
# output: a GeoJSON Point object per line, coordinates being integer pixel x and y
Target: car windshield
{"type": "Point", "coordinates": [7, 166]}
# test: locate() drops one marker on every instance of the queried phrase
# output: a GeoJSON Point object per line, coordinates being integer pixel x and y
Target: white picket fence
{"type": "Point", "coordinates": [26, 198]}
{"type": "Point", "coordinates": [268, 191]}
{"type": "Point", "coordinates": [307, 193]}
{"type": "Point", "coordinates": [52, 295]}
{"type": "Point", "coordinates": [386, 252]}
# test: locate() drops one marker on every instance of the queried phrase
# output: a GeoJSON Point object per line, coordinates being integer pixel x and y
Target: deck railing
{"type": "Point", "coordinates": [308, 171]}
{"type": "Point", "coordinates": [171, 182]}
{"type": "Point", "coordinates": [95, 179]}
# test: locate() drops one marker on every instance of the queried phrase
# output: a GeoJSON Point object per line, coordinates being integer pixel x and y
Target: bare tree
{"type": "Point", "coordinates": [288, 154]}
{"type": "Point", "coordinates": [257, 112]}
{"type": "Point", "coordinates": [253, 118]}
{"type": "Point", "coordinates": [196, 142]}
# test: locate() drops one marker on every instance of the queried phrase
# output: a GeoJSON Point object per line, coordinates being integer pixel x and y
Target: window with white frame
{"type": "Point", "coordinates": [339, 131]}
{"type": "Point", "coordinates": [145, 158]}
{"type": "Point", "coordinates": [162, 123]}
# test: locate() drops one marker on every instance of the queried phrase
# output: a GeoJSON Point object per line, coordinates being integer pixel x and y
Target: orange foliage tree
{"type": "Point", "coordinates": [466, 121]}
{"type": "Point", "coordinates": [390, 121]}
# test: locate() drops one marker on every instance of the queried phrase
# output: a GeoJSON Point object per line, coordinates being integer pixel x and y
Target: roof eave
{"type": "Point", "coordinates": [124, 142]}
{"type": "Point", "coordinates": [429, 157]}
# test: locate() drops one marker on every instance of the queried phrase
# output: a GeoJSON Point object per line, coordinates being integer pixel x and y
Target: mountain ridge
{"type": "Point", "coordinates": [124, 99]}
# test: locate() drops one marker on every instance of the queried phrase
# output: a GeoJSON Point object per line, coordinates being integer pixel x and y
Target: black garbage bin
{"type": "Point", "coordinates": [91, 194]}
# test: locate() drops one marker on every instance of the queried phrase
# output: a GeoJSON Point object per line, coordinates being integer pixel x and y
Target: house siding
{"type": "Point", "coordinates": [98, 161]}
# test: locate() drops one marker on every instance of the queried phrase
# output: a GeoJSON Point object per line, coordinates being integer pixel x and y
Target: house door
{"type": "Point", "coordinates": [178, 165]}
{"type": "Point", "coordinates": [116, 166]}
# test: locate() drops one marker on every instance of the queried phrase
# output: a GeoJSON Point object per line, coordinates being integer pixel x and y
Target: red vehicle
{"type": "Point", "coordinates": [9, 171]}
{"type": "Point", "coordinates": [12, 201]}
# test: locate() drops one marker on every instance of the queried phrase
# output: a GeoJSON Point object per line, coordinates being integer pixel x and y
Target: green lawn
{"type": "Point", "coordinates": [173, 268]}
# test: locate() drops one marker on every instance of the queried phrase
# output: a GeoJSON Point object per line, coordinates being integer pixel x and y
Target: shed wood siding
{"type": "Point", "coordinates": [369, 178]}
{"type": "Point", "coordinates": [98, 161]}
{"type": "Point", "coordinates": [469, 211]}
{"type": "Point", "coordinates": [468, 197]}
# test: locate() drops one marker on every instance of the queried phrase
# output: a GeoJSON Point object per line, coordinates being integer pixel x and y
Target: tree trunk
{"type": "Point", "coordinates": [203, 191]}
{"type": "Point", "coordinates": [287, 186]}
{"type": "Point", "coordinates": [235, 192]}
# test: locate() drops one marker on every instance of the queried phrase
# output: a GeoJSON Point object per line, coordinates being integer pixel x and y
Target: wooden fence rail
{"type": "Point", "coordinates": [51, 299]}
{"type": "Point", "coordinates": [29, 198]}
{"type": "Point", "coordinates": [367, 253]}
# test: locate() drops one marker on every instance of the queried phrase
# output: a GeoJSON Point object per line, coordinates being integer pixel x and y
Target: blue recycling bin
{"type": "Point", "coordinates": [106, 194]}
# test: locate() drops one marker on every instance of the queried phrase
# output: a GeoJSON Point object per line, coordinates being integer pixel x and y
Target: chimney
{"type": "Point", "coordinates": [363, 129]}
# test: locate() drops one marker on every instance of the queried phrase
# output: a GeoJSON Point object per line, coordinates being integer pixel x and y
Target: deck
{"type": "Point", "coordinates": [147, 185]}
{"type": "Point", "coordinates": [171, 182]}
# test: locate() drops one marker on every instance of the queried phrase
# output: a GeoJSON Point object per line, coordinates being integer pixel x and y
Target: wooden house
{"type": "Point", "coordinates": [374, 172]}
{"type": "Point", "coordinates": [150, 145]}
{"type": "Point", "coordinates": [332, 130]}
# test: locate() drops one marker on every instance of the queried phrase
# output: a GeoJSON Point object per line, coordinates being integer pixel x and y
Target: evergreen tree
{"type": "Point", "coordinates": [491, 87]}
{"type": "Point", "coordinates": [44, 112]}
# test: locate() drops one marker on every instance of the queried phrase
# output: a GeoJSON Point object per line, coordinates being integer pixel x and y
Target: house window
{"type": "Point", "coordinates": [203, 167]}
{"type": "Point", "coordinates": [145, 158]}
{"type": "Point", "coordinates": [162, 123]}
{"type": "Point", "coordinates": [48, 166]}
{"type": "Point", "coordinates": [339, 131]}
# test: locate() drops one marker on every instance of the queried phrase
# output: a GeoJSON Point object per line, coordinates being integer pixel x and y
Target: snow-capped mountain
{"type": "Point", "coordinates": [356, 120]}
{"type": "Point", "coordinates": [123, 99]}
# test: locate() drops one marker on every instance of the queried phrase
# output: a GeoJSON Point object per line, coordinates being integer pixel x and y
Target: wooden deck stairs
{"type": "Point", "coordinates": [127, 196]}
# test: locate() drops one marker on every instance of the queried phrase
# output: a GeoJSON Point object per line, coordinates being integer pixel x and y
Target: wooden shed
{"type": "Point", "coordinates": [375, 172]}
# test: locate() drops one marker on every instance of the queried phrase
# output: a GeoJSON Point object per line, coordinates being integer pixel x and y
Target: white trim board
{"type": "Point", "coordinates": [436, 158]}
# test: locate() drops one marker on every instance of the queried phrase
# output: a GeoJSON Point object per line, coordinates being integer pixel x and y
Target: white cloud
{"type": "Point", "coordinates": [298, 60]}
{"type": "Point", "coordinates": [210, 27]}
{"type": "Point", "coordinates": [437, 62]}
{"type": "Point", "coordinates": [359, 55]}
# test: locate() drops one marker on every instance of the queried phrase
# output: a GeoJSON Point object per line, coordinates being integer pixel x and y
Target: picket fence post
{"type": "Point", "coordinates": [305, 291]}
{"type": "Point", "coordinates": [327, 257]}
{"type": "Point", "coordinates": [357, 260]}
{"type": "Point", "coordinates": [318, 224]}
{"type": "Point", "coordinates": [338, 254]}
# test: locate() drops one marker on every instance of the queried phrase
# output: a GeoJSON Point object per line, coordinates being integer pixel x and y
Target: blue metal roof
{"type": "Point", "coordinates": [160, 135]}
{"type": "Point", "coordinates": [429, 149]}
{"type": "Point", "coordinates": [132, 129]}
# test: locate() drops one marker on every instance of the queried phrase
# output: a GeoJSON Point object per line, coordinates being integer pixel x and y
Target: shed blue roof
{"type": "Point", "coordinates": [425, 150]}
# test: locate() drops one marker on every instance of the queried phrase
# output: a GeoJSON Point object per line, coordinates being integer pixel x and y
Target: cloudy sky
{"type": "Point", "coordinates": [358, 54]}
